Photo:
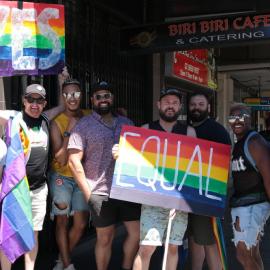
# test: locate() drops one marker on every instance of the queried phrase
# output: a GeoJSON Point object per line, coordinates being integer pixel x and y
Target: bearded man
{"type": "Point", "coordinates": [202, 243]}
{"type": "Point", "coordinates": [154, 220]}
{"type": "Point", "coordinates": [92, 165]}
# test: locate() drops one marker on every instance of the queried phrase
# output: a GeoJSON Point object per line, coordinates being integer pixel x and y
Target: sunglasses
{"type": "Point", "coordinates": [233, 118]}
{"type": "Point", "coordinates": [103, 96]}
{"type": "Point", "coordinates": [75, 95]}
{"type": "Point", "coordinates": [34, 100]}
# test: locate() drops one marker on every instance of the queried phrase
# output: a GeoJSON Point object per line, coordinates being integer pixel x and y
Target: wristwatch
{"type": "Point", "coordinates": [66, 134]}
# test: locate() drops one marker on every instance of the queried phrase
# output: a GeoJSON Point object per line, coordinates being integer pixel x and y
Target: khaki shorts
{"type": "Point", "coordinates": [154, 222]}
{"type": "Point", "coordinates": [39, 203]}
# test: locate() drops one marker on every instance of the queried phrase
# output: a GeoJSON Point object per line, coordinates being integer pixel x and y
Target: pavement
{"type": "Point", "coordinates": [84, 259]}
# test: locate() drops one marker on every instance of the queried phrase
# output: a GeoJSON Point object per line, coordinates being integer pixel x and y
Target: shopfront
{"type": "Point", "coordinates": [192, 71]}
{"type": "Point", "coordinates": [91, 55]}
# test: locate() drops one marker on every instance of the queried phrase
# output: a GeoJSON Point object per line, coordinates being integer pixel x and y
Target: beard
{"type": "Point", "coordinates": [169, 118]}
{"type": "Point", "coordinates": [197, 115]}
{"type": "Point", "coordinates": [103, 110]}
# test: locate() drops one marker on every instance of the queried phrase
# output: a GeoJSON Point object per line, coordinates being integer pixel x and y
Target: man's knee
{"type": "Point", "coordinates": [236, 224]}
{"type": "Point", "coordinates": [79, 225]}
{"type": "Point", "coordinates": [173, 249]}
{"type": "Point", "coordinates": [61, 219]}
{"type": "Point", "coordinates": [104, 240]}
{"type": "Point", "coordinates": [61, 206]}
{"type": "Point", "coordinates": [133, 229]}
{"type": "Point", "coordinates": [146, 251]}
{"type": "Point", "coordinates": [133, 237]}
{"type": "Point", "coordinates": [242, 253]}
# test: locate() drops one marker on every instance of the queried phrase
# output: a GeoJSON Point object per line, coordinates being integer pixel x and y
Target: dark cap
{"type": "Point", "coordinates": [170, 91]}
{"type": "Point", "coordinates": [35, 89]}
{"type": "Point", "coordinates": [101, 86]}
{"type": "Point", "coordinates": [71, 81]}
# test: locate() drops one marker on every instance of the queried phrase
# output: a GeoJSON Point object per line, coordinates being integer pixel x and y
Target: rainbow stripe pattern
{"type": "Point", "coordinates": [219, 238]}
{"type": "Point", "coordinates": [32, 38]}
{"type": "Point", "coordinates": [16, 228]}
{"type": "Point", "coordinates": [171, 171]}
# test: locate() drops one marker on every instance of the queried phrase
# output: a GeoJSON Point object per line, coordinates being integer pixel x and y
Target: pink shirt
{"type": "Point", "coordinates": [96, 139]}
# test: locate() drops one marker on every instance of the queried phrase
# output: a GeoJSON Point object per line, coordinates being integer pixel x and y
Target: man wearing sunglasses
{"type": "Point", "coordinates": [37, 121]}
{"type": "Point", "coordinates": [250, 207]}
{"type": "Point", "coordinates": [67, 198]}
{"type": "Point", "coordinates": [92, 164]}
{"type": "Point", "coordinates": [202, 243]}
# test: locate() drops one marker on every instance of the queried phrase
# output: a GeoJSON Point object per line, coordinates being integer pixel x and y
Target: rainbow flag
{"type": "Point", "coordinates": [16, 228]}
{"type": "Point", "coordinates": [171, 171]}
{"type": "Point", "coordinates": [35, 44]}
{"type": "Point", "coordinates": [219, 237]}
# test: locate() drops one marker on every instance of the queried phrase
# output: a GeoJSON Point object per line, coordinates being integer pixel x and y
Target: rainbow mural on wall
{"type": "Point", "coordinates": [32, 38]}
{"type": "Point", "coordinates": [171, 171]}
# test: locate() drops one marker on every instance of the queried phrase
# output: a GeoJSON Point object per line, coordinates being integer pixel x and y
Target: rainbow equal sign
{"type": "Point", "coordinates": [32, 38]}
{"type": "Point", "coordinates": [171, 171]}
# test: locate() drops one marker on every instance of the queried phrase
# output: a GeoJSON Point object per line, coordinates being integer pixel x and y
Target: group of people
{"type": "Point", "coordinates": [84, 146]}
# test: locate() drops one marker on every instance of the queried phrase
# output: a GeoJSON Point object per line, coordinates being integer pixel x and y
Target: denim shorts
{"type": "Point", "coordinates": [252, 219]}
{"type": "Point", "coordinates": [64, 190]}
{"type": "Point", "coordinates": [154, 223]}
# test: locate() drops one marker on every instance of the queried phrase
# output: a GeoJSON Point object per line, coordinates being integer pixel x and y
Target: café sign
{"type": "Point", "coordinates": [197, 33]}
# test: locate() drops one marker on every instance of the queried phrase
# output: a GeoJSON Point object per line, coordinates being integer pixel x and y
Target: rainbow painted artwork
{"type": "Point", "coordinates": [171, 171]}
{"type": "Point", "coordinates": [32, 38]}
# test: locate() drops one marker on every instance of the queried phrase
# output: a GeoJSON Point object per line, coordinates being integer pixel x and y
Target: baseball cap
{"type": "Point", "coordinates": [71, 81]}
{"type": "Point", "coordinates": [35, 89]}
{"type": "Point", "coordinates": [103, 85]}
{"type": "Point", "coordinates": [170, 91]}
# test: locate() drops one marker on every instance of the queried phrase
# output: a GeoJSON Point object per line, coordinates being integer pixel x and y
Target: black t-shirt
{"type": "Point", "coordinates": [211, 130]}
{"type": "Point", "coordinates": [36, 168]}
{"type": "Point", "coordinates": [178, 128]}
{"type": "Point", "coordinates": [246, 178]}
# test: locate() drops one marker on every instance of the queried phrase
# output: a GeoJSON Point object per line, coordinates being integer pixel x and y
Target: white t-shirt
{"type": "Point", "coordinates": [3, 152]}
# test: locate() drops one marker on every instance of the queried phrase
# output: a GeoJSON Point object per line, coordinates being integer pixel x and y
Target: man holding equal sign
{"type": "Point", "coordinates": [154, 220]}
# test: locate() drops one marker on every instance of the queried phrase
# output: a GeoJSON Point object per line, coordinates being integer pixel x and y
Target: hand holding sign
{"type": "Point", "coordinates": [115, 151]}
{"type": "Point", "coordinates": [171, 171]}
